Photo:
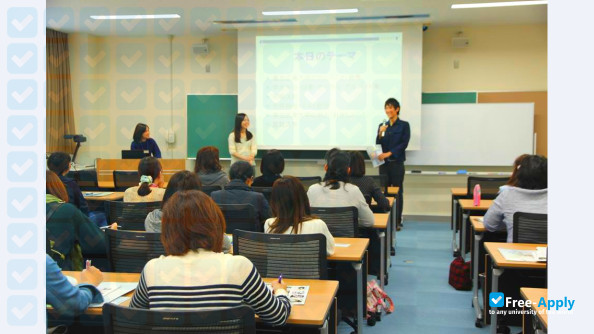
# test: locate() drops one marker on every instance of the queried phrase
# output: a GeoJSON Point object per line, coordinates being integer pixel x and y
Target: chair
{"type": "Point", "coordinates": [307, 181]}
{"type": "Point", "coordinates": [240, 216]}
{"type": "Point", "coordinates": [86, 179]}
{"type": "Point", "coordinates": [124, 320]}
{"type": "Point", "coordinates": [489, 185]}
{"type": "Point", "coordinates": [124, 179]}
{"type": "Point", "coordinates": [341, 221]}
{"type": "Point", "coordinates": [293, 255]}
{"type": "Point", "coordinates": [209, 189]}
{"type": "Point", "coordinates": [129, 251]}
{"type": "Point", "coordinates": [382, 181]}
{"type": "Point", "coordinates": [530, 228]}
{"type": "Point", "coordinates": [129, 215]}
{"type": "Point", "coordinates": [266, 191]}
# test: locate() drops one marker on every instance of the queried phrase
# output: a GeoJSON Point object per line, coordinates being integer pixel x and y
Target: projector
{"type": "Point", "coordinates": [201, 48]}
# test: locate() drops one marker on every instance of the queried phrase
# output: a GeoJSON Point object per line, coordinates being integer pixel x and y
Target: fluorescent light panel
{"type": "Point", "coordinates": [135, 17]}
{"type": "Point", "coordinates": [498, 4]}
{"type": "Point", "coordinates": [312, 12]}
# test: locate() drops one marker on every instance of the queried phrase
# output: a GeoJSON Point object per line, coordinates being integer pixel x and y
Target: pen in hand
{"type": "Point", "coordinates": [88, 264]}
{"type": "Point", "coordinates": [280, 278]}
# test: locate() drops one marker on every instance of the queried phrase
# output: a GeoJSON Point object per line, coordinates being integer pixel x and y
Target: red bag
{"type": "Point", "coordinates": [460, 274]}
{"type": "Point", "coordinates": [377, 299]}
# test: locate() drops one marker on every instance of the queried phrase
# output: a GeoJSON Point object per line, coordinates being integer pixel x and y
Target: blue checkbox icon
{"type": "Point", "coordinates": [21, 130]}
{"type": "Point", "coordinates": [21, 166]}
{"type": "Point", "coordinates": [22, 202]}
{"type": "Point", "coordinates": [21, 274]}
{"type": "Point", "coordinates": [22, 58]}
{"type": "Point", "coordinates": [496, 299]}
{"type": "Point", "coordinates": [21, 238]}
{"type": "Point", "coordinates": [21, 310]}
{"type": "Point", "coordinates": [22, 94]}
{"type": "Point", "coordinates": [22, 22]}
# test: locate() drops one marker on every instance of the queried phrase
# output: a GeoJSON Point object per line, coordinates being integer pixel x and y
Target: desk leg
{"type": "Point", "coordinates": [495, 288]}
{"type": "Point", "coordinates": [453, 221]}
{"type": "Point", "coordinates": [455, 229]}
{"type": "Point", "coordinates": [475, 264]}
{"type": "Point", "coordinates": [382, 236]}
{"type": "Point", "coordinates": [359, 269]}
{"type": "Point", "coordinates": [463, 235]}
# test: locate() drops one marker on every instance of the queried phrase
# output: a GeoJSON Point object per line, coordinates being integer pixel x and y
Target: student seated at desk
{"type": "Point", "coordinates": [528, 195]}
{"type": "Point", "coordinates": [151, 182]}
{"type": "Point", "coordinates": [335, 191]}
{"type": "Point", "coordinates": [209, 168]}
{"type": "Point", "coordinates": [291, 208]}
{"type": "Point", "coordinates": [141, 140]}
{"type": "Point", "coordinates": [182, 180]}
{"type": "Point", "coordinates": [366, 184]}
{"type": "Point", "coordinates": [513, 178]}
{"type": "Point", "coordinates": [273, 164]}
{"type": "Point", "coordinates": [195, 275]}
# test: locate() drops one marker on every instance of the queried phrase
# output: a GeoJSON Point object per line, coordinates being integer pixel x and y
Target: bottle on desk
{"type": "Point", "coordinates": [476, 195]}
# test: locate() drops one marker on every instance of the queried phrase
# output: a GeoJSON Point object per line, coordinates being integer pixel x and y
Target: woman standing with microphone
{"type": "Point", "coordinates": [242, 143]}
{"type": "Point", "coordinates": [394, 135]}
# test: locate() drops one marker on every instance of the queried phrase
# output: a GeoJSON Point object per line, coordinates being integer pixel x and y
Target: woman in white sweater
{"type": "Point", "coordinates": [242, 143]}
{"type": "Point", "coordinates": [291, 209]}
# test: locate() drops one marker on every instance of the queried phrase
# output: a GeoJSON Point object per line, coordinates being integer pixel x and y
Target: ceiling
{"type": "Point", "coordinates": [197, 16]}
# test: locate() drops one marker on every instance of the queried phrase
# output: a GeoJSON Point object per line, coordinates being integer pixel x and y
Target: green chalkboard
{"type": "Point", "coordinates": [210, 120]}
{"type": "Point", "coordinates": [432, 98]}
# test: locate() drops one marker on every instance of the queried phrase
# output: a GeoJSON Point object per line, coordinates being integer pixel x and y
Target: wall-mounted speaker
{"type": "Point", "coordinates": [460, 42]}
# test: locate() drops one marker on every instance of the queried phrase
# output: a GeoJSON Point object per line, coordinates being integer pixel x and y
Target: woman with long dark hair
{"type": "Point", "coordinates": [141, 140]}
{"type": "Point", "coordinates": [242, 143]}
{"type": "Point", "coordinates": [292, 213]}
{"type": "Point", "coordinates": [208, 168]}
{"type": "Point", "coordinates": [272, 165]}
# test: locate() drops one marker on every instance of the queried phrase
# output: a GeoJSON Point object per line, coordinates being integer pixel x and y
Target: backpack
{"type": "Point", "coordinates": [73, 260]}
{"type": "Point", "coordinates": [377, 300]}
{"type": "Point", "coordinates": [460, 274]}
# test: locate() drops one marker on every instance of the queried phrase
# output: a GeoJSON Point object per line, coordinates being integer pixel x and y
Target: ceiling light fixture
{"type": "Point", "coordinates": [312, 12]}
{"type": "Point", "coordinates": [498, 4]}
{"type": "Point", "coordinates": [135, 17]}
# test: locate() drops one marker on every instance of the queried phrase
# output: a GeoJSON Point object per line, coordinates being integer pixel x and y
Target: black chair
{"type": "Point", "coordinates": [530, 228]}
{"type": "Point", "coordinates": [86, 179]}
{"type": "Point", "coordinates": [129, 251]}
{"type": "Point", "coordinates": [341, 221]}
{"type": "Point", "coordinates": [125, 320]}
{"type": "Point", "coordinates": [307, 181]}
{"type": "Point", "coordinates": [266, 191]}
{"type": "Point", "coordinates": [489, 185]}
{"type": "Point", "coordinates": [209, 189]}
{"type": "Point", "coordinates": [382, 181]}
{"type": "Point", "coordinates": [124, 179]}
{"type": "Point", "coordinates": [293, 255]}
{"type": "Point", "coordinates": [129, 215]}
{"type": "Point", "coordinates": [241, 217]}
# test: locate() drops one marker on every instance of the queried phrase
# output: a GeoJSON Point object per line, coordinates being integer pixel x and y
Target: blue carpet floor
{"type": "Point", "coordinates": [424, 301]}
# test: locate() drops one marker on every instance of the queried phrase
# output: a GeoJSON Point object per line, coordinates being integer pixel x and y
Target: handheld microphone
{"type": "Point", "coordinates": [385, 122]}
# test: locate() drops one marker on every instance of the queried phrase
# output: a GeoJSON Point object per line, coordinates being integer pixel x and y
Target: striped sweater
{"type": "Point", "coordinates": [209, 281]}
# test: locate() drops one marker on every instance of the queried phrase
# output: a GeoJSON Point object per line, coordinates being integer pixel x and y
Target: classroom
{"type": "Point", "coordinates": [172, 75]}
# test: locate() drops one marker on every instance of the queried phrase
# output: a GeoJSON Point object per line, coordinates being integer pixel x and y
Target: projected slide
{"type": "Point", "coordinates": [321, 91]}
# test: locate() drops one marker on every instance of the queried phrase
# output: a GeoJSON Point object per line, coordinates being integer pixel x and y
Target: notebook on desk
{"type": "Point", "coordinates": [113, 290]}
{"type": "Point", "coordinates": [538, 255]}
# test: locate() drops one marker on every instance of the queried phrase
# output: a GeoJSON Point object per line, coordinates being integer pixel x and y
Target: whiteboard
{"type": "Point", "coordinates": [482, 134]}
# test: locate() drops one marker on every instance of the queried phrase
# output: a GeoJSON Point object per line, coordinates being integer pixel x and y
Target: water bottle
{"type": "Point", "coordinates": [476, 195]}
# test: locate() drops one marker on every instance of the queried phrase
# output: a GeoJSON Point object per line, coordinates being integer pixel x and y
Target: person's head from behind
{"type": "Point", "coordinates": [59, 163]}
{"type": "Point", "coordinates": [532, 173]}
{"type": "Point", "coordinates": [513, 179]}
{"type": "Point", "coordinates": [242, 122]}
{"type": "Point", "coordinates": [54, 186]}
{"type": "Point", "coordinates": [289, 204]}
{"type": "Point", "coordinates": [357, 164]}
{"type": "Point", "coordinates": [207, 160]}
{"type": "Point", "coordinates": [180, 181]}
{"type": "Point", "coordinates": [191, 220]}
{"type": "Point", "coordinates": [392, 107]}
{"type": "Point", "coordinates": [141, 133]}
{"type": "Point", "coordinates": [330, 153]}
{"type": "Point", "coordinates": [243, 171]}
{"type": "Point", "coordinates": [149, 170]}
{"type": "Point", "coordinates": [337, 169]}
{"type": "Point", "coordinates": [273, 163]}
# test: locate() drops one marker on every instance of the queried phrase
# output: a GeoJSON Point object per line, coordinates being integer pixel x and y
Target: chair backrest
{"type": "Point", "coordinates": [293, 255]}
{"type": "Point", "coordinates": [382, 181]}
{"type": "Point", "coordinates": [129, 215]}
{"type": "Point", "coordinates": [307, 181]}
{"type": "Point", "coordinates": [86, 178]}
{"type": "Point", "coordinates": [341, 221]}
{"type": "Point", "coordinates": [209, 189]}
{"type": "Point", "coordinates": [489, 185]}
{"type": "Point", "coordinates": [530, 228]}
{"type": "Point", "coordinates": [129, 251]}
{"type": "Point", "coordinates": [266, 191]}
{"type": "Point", "coordinates": [124, 320]}
{"type": "Point", "coordinates": [124, 179]}
{"type": "Point", "coordinates": [240, 216]}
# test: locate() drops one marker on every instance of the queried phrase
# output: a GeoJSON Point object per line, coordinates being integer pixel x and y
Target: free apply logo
{"type": "Point", "coordinates": [497, 299]}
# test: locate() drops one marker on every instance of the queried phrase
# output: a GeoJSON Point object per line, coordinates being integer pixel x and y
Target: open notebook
{"type": "Point", "coordinates": [297, 293]}
{"type": "Point", "coordinates": [538, 255]}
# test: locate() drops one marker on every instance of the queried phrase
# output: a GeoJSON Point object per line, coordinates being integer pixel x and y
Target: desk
{"type": "Point", "coordinates": [105, 168]}
{"type": "Point", "coordinates": [479, 229]}
{"type": "Point", "coordinates": [500, 264]}
{"type": "Point", "coordinates": [114, 196]}
{"type": "Point", "coordinates": [391, 230]}
{"type": "Point", "coordinates": [534, 295]}
{"type": "Point", "coordinates": [320, 298]}
{"type": "Point", "coordinates": [457, 193]}
{"type": "Point", "coordinates": [467, 207]}
{"type": "Point", "coordinates": [381, 223]}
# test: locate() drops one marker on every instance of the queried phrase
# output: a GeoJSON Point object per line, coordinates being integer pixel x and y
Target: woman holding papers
{"type": "Point", "coordinates": [242, 143]}
{"type": "Point", "coordinates": [393, 135]}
